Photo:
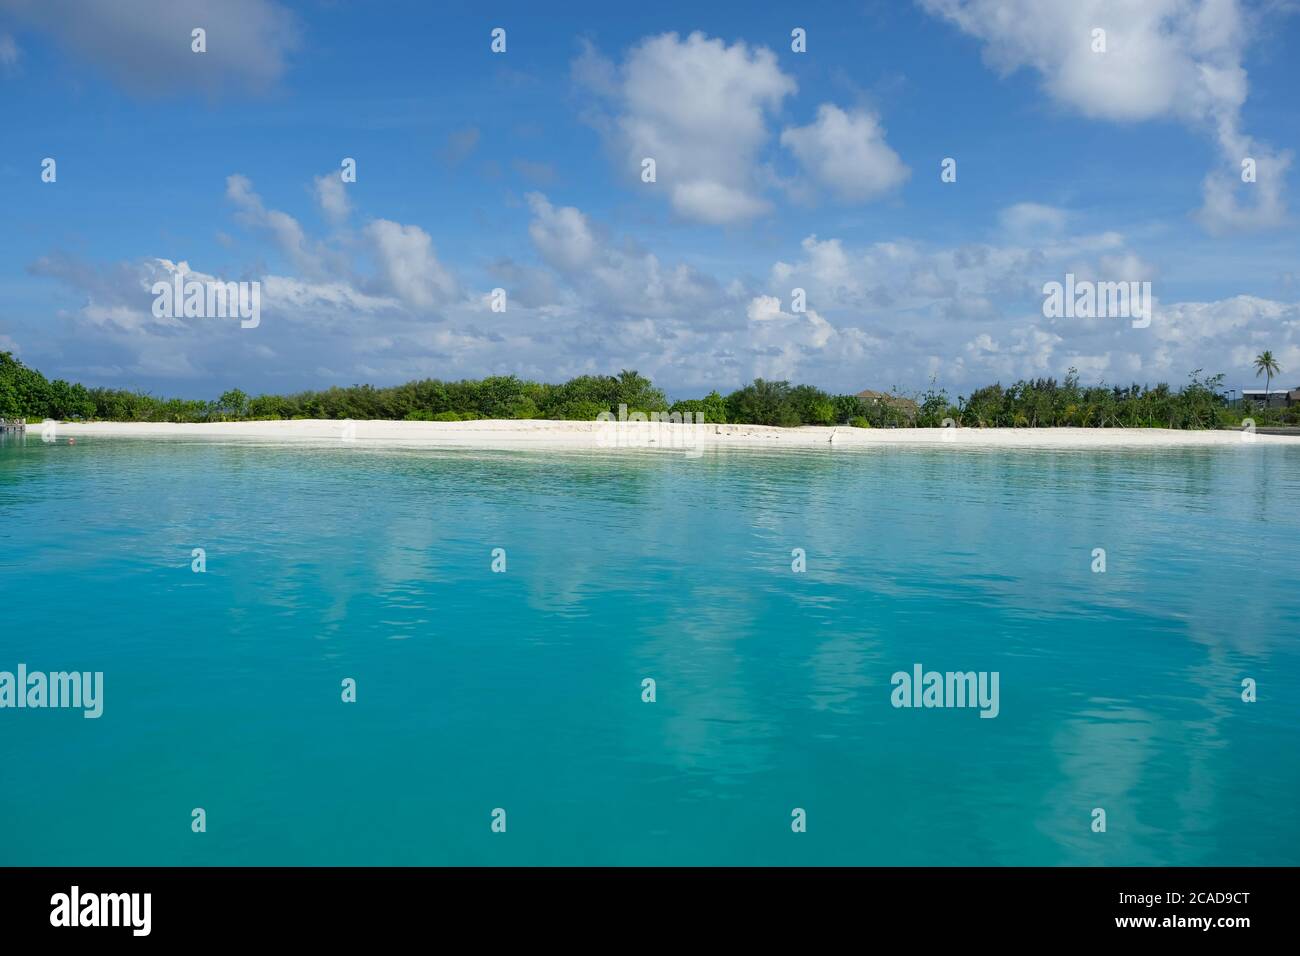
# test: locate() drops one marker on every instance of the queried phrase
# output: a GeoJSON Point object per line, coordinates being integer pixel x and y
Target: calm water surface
{"type": "Point", "coordinates": [522, 690]}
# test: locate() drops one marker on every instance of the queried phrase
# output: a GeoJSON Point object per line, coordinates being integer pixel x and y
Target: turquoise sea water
{"type": "Point", "coordinates": [522, 690]}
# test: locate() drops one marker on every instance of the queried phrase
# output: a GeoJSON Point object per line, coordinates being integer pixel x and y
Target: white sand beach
{"type": "Point", "coordinates": [495, 434]}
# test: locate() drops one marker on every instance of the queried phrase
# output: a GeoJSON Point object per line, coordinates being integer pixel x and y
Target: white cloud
{"type": "Point", "coordinates": [1178, 59]}
{"type": "Point", "coordinates": [562, 236]}
{"type": "Point", "coordinates": [910, 316]}
{"type": "Point", "coordinates": [1162, 57]}
{"type": "Point", "coordinates": [882, 315]}
{"type": "Point", "coordinates": [332, 197]}
{"type": "Point", "coordinates": [699, 108]}
{"type": "Point", "coordinates": [286, 231]}
{"type": "Point", "coordinates": [409, 265]}
{"type": "Point", "coordinates": [117, 339]}
{"type": "Point", "coordinates": [1030, 219]}
{"type": "Point", "coordinates": [1225, 212]}
{"type": "Point", "coordinates": [321, 300]}
{"type": "Point", "coordinates": [621, 280]}
{"type": "Point", "coordinates": [715, 203]}
{"type": "Point", "coordinates": [847, 153]}
{"type": "Point", "coordinates": [972, 314]}
{"type": "Point", "coordinates": [787, 342]}
{"type": "Point", "coordinates": [763, 308]}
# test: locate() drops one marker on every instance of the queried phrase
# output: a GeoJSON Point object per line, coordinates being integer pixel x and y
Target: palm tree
{"type": "Point", "coordinates": [1267, 366]}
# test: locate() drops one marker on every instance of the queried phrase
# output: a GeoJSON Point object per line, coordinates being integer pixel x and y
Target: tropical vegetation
{"type": "Point", "coordinates": [1029, 403]}
{"type": "Point", "coordinates": [1266, 365]}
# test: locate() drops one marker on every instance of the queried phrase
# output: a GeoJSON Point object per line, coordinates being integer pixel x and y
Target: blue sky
{"type": "Point", "coordinates": [776, 170]}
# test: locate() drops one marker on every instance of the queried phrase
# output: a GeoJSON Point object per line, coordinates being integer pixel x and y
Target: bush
{"type": "Point", "coordinates": [637, 391]}
{"type": "Point", "coordinates": [934, 407]}
{"type": "Point", "coordinates": [812, 405]}
{"type": "Point", "coordinates": [497, 397]}
{"type": "Point", "coordinates": [25, 393]}
{"type": "Point", "coordinates": [524, 407]}
{"type": "Point", "coordinates": [712, 408]}
{"type": "Point", "coordinates": [847, 407]}
{"type": "Point", "coordinates": [763, 403]}
{"type": "Point", "coordinates": [578, 411]}
{"type": "Point", "coordinates": [233, 404]}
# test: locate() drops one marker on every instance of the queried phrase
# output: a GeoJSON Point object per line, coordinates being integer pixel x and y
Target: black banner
{"type": "Point", "coordinates": [332, 905]}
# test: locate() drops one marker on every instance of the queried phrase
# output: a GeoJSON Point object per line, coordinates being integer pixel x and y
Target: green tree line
{"type": "Point", "coordinates": [26, 393]}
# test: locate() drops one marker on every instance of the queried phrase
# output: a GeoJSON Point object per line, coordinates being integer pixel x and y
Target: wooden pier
{"type": "Point", "coordinates": [8, 426]}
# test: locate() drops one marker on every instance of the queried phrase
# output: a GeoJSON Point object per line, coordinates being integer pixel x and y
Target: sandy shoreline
{"type": "Point", "coordinates": [679, 438]}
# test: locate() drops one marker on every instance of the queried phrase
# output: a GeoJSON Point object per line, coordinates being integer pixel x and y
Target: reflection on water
{"type": "Point", "coordinates": [522, 690]}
